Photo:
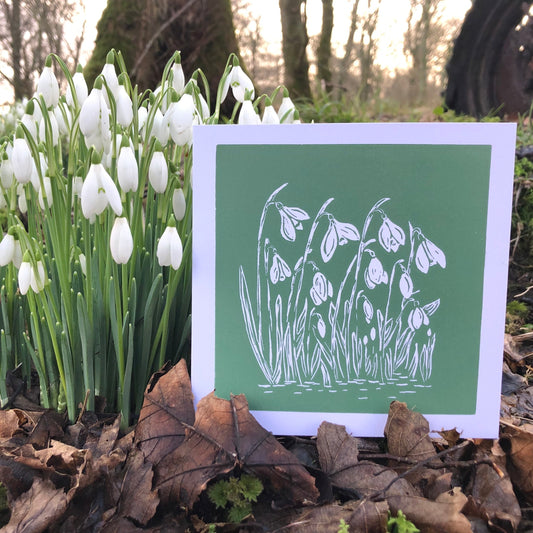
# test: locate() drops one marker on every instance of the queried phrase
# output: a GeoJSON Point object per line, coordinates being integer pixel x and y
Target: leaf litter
{"type": "Point", "coordinates": [89, 477]}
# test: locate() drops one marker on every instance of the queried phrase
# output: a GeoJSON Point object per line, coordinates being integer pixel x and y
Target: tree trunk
{"type": "Point", "coordinates": [16, 46]}
{"type": "Point", "coordinates": [148, 32]}
{"type": "Point", "coordinates": [324, 46]}
{"type": "Point", "coordinates": [346, 60]}
{"type": "Point", "coordinates": [294, 44]}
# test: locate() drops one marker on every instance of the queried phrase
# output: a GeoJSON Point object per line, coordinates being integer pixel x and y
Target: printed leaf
{"type": "Point", "coordinates": [431, 307]}
{"type": "Point", "coordinates": [300, 323]}
{"type": "Point", "coordinates": [329, 243]}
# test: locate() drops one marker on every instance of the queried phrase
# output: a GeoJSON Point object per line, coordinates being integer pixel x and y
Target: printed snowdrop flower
{"type": "Point", "coordinates": [94, 118]}
{"type": "Point", "coordinates": [321, 290]}
{"type": "Point", "coordinates": [320, 324]}
{"type": "Point", "coordinates": [417, 317]}
{"type": "Point", "coordinates": [21, 159]}
{"type": "Point", "coordinates": [47, 85]}
{"type": "Point", "coordinates": [390, 235]}
{"type": "Point", "coordinates": [178, 204]}
{"type": "Point", "coordinates": [279, 270]}
{"type": "Point", "coordinates": [291, 218]}
{"type": "Point", "coordinates": [48, 190]}
{"type": "Point", "coordinates": [127, 169]}
{"type": "Point", "coordinates": [98, 191]}
{"type": "Point", "coordinates": [374, 274]}
{"type": "Point", "coordinates": [80, 88]}
{"type": "Point", "coordinates": [338, 233]}
{"type": "Point", "coordinates": [368, 310]}
{"type": "Point", "coordinates": [169, 247]}
{"type": "Point", "coordinates": [158, 170]}
{"type": "Point", "coordinates": [7, 249]}
{"type": "Point", "coordinates": [406, 285]}
{"type": "Point", "coordinates": [427, 253]}
{"type": "Point", "coordinates": [248, 115]}
{"type": "Point", "coordinates": [269, 114]}
{"type": "Point", "coordinates": [239, 82]}
{"type": "Point", "coordinates": [124, 107]}
{"type": "Point", "coordinates": [180, 118]}
{"type": "Point", "coordinates": [286, 109]}
{"type": "Point", "coordinates": [121, 241]}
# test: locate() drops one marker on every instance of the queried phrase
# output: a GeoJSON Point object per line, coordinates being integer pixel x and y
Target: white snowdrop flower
{"type": "Point", "coordinates": [80, 88]}
{"type": "Point", "coordinates": [158, 172]}
{"type": "Point", "coordinates": [269, 115]}
{"type": "Point", "coordinates": [247, 114]}
{"type": "Point", "coordinates": [83, 263]}
{"type": "Point", "coordinates": [28, 119]}
{"type": "Point", "coordinates": [48, 190]}
{"type": "Point", "coordinates": [63, 118]}
{"type": "Point", "coordinates": [7, 177]}
{"type": "Point", "coordinates": [7, 249]}
{"type": "Point", "coordinates": [142, 113]}
{"type": "Point", "coordinates": [94, 118]}
{"type": "Point", "coordinates": [77, 184]}
{"type": "Point", "coordinates": [17, 256]}
{"type": "Point", "coordinates": [180, 118]}
{"type": "Point", "coordinates": [178, 78]}
{"type": "Point", "coordinates": [169, 248]}
{"type": "Point", "coordinates": [121, 241]}
{"type": "Point", "coordinates": [286, 110]}
{"type": "Point", "coordinates": [21, 160]}
{"type": "Point", "coordinates": [98, 191]}
{"type": "Point", "coordinates": [160, 128]}
{"type": "Point", "coordinates": [24, 276]}
{"type": "Point", "coordinates": [110, 76]}
{"type": "Point", "coordinates": [124, 107]}
{"type": "Point", "coordinates": [21, 199]}
{"type": "Point", "coordinates": [179, 205]}
{"type": "Point", "coordinates": [52, 135]}
{"type": "Point", "coordinates": [127, 169]}
{"type": "Point", "coordinates": [239, 82]}
{"type": "Point", "coordinates": [203, 112]}
{"type": "Point", "coordinates": [48, 86]}
{"type": "Point", "coordinates": [38, 277]}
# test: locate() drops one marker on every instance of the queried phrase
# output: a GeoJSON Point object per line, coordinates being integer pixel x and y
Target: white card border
{"type": "Point", "coordinates": [500, 136]}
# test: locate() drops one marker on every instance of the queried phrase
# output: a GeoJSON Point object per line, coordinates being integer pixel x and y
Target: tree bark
{"type": "Point", "coordinates": [324, 46]}
{"type": "Point", "coordinates": [346, 60]}
{"type": "Point", "coordinates": [294, 44]}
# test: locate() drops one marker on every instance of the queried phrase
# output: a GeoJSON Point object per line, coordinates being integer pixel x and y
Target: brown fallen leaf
{"type": "Point", "coordinates": [430, 517]}
{"type": "Point", "coordinates": [168, 403]}
{"type": "Point", "coordinates": [226, 436]}
{"type": "Point", "coordinates": [362, 517]}
{"type": "Point", "coordinates": [518, 445]}
{"type": "Point", "coordinates": [10, 422]}
{"type": "Point", "coordinates": [337, 450]}
{"type": "Point", "coordinates": [37, 509]}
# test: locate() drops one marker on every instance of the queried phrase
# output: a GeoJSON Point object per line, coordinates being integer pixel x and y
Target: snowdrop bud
{"type": "Point", "coordinates": [28, 119]}
{"type": "Point", "coordinates": [21, 201]}
{"type": "Point", "coordinates": [142, 113]}
{"type": "Point", "coordinates": [48, 191]}
{"type": "Point", "coordinates": [269, 115]}
{"type": "Point", "coordinates": [158, 171]}
{"type": "Point", "coordinates": [80, 88]}
{"type": "Point", "coordinates": [38, 277]}
{"type": "Point", "coordinates": [21, 159]}
{"type": "Point", "coordinates": [51, 135]}
{"type": "Point", "coordinates": [47, 85]}
{"type": "Point", "coordinates": [180, 117]}
{"type": "Point", "coordinates": [169, 247]}
{"type": "Point", "coordinates": [178, 204]}
{"type": "Point", "coordinates": [17, 256]}
{"type": "Point", "coordinates": [121, 241]}
{"type": "Point", "coordinates": [160, 128]}
{"type": "Point", "coordinates": [7, 249]}
{"type": "Point", "coordinates": [247, 114]}
{"type": "Point", "coordinates": [24, 276]}
{"type": "Point", "coordinates": [127, 169]}
{"type": "Point", "coordinates": [77, 184]}
{"type": "Point", "coordinates": [110, 76]}
{"type": "Point", "coordinates": [7, 177]}
{"type": "Point", "coordinates": [286, 109]}
{"type": "Point", "coordinates": [178, 78]}
{"type": "Point", "coordinates": [124, 107]}
{"type": "Point", "coordinates": [63, 118]}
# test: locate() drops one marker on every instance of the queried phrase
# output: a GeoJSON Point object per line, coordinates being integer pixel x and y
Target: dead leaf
{"type": "Point", "coordinates": [10, 422]}
{"type": "Point", "coordinates": [407, 433]}
{"type": "Point", "coordinates": [454, 496]}
{"type": "Point", "coordinates": [362, 517]}
{"type": "Point", "coordinates": [225, 436]}
{"type": "Point", "coordinates": [137, 499]}
{"type": "Point", "coordinates": [430, 517]}
{"type": "Point", "coordinates": [36, 509]}
{"type": "Point", "coordinates": [451, 436]}
{"type": "Point", "coordinates": [337, 450]}
{"type": "Point", "coordinates": [518, 445]}
{"type": "Point", "coordinates": [168, 402]}
{"type": "Point", "coordinates": [49, 426]}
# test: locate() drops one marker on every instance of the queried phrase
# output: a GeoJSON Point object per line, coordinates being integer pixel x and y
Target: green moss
{"type": "Point", "coordinates": [516, 317]}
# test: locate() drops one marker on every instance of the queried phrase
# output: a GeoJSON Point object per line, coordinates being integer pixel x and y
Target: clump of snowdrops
{"type": "Point", "coordinates": [95, 266]}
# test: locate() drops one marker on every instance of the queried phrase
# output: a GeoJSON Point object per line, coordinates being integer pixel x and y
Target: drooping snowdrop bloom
{"type": "Point", "coordinates": [7, 177]}
{"type": "Point", "coordinates": [28, 119]}
{"type": "Point", "coordinates": [368, 310]}
{"type": "Point", "coordinates": [169, 247]}
{"type": "Point", "coordinates": [124, 107]}
{"type": "Point", "coordinates": [239, 82]}
{"type": "Point", "coordinates": [63, 117]}
{"type": "Point", "coordinates": [127, 169]}
{"type": "Point", "coordinates": [269, 114]}
{"type": "Point", "coordinates": [17, 256]}
{"type": "Point", "coordinates": [158, 170]}
{"type": "Point", "coordinates": [110, 76]}
{"type": "Point", "coordinates": [247, 114]}
{"type": "Point", "coordinates": [321, 290]}
{"type": "Point", "coordinates": [94, 118]}
{"type": "Point", "coordinates": [291, 220]}
{"type": "Point", "coordinates": [279, 270]}
{"type": "Point", "coordinates": [427, 252]}
{"type": "Point", "coordinates": [286, 109]}
{"type": "Point", "coordinates": [406, 285]}
{"type": "Point", "coordinates": [38, 277]}
{"type": "Point", "coordinates": [50, 133]}
{"type": "Point", "coordinates": [98, 191]}
{"type": "Point", "coordinates": [121, 241]}
{"type": "Point", "coordinates": [80, 88]}
{"type": "Point", "coordinates": [21, 199]}
{"type": "Point", "coordinates": [178, 78]}
{"type": "Point", "coordinates": [47, 186]}
{"type": "Point", "coordinates": [178, 204]}
{"type": "Point", "coordinates": [7, 249]}
{"type": "Point", "coordinates": [338, 233]}
{"type": "Point", "coordinates": [47, 85]}
{"type": "Point", "coordinates": [21, 159]}
{"type": "Point", "coordinates": [24, 275]}
{"type": "Point", "coordinates": [142, 113]}
{"type": "Point", "coordinates": [180, 118]}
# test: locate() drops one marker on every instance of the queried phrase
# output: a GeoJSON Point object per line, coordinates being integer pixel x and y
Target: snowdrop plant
{"type": "Point", "coordinates": [95, 263]}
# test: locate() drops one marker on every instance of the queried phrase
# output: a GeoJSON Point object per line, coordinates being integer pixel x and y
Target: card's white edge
{"type": "Point", "coordinates": [500, 136]}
